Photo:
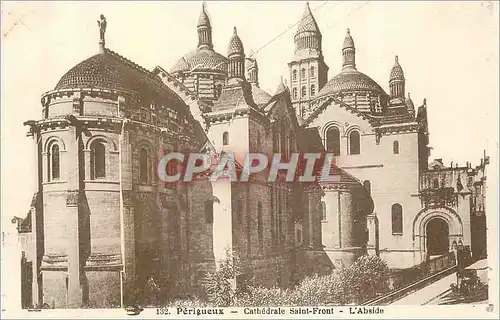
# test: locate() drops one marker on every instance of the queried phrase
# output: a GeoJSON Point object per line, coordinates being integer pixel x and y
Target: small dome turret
{"type": "Point", "coordinates": [409, 105]}
{"type": "Point", "coordinates": [204, 30]}
{"type": "Point", "coordinates": [236, 55]}
{"type": "Point", "coordinates": [397, 81]}
{"type": "Point", "coordinates": [348, 52]}
{"type": "Point", "coordinates": [235, 44]}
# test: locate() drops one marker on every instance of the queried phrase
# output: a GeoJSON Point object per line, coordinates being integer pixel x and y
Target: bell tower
{"type": "Point", "coordinates": [308, 70]}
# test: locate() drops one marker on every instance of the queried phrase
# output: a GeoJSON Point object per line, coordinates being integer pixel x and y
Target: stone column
{"type": "Point", "coordinates": [72, 221]}
{"type": "Point", "coordinates": [222, 219]}
{"type": "Point", "coordinates": [128, 216]}
{"type": "Point", "coordinates": [371, 224]}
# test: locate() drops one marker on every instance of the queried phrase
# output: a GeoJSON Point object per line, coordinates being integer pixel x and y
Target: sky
{"type": "Point", "coordinates": [448, 51]}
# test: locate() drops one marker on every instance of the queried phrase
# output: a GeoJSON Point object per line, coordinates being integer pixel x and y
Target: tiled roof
{"type": "Point", "coordinates": [260, 96]}
{"type": "Point", "coordinates": [234, 96]}
{"type": "Point", "coordinates": [307, 23]}
{"type": "Point", "coordinates": [201, 59]}
{"type": "Point", "coordinates": [109, 70]}
{"type": "Point", "coordinates": [351, 80]}
{"type": "Point", "coordinates": [203, 20]}
{"type": "Point", "coordinates": [397, 71]}
{"type": "Point", "coordinates": [235, 44]}
{"type": "Point", "coordinates": [348, 41]}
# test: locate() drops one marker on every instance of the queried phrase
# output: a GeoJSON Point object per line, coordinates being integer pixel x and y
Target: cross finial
{"type": "Point", "coordinates": [348, 31]}
{"type": "Point", "coordinates": [234, 30]}
{"type": "Point", "coordinates": [396, 59]}
{"type": "Point", "coordinates": [102, 31]}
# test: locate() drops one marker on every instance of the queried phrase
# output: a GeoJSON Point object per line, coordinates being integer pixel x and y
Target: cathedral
{"type": "Point", "coordinates": [101, 224]}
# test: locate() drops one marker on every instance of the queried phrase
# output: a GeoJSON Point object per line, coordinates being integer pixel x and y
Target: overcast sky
{"type": "Point", "coordinates": [449, 53]}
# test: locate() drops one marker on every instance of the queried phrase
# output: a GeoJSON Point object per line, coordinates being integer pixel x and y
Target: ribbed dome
{"type": "Point", "coordinates": [203, 20]}
{"type": "Point", "coordinates": [235, 44]}
{"type": "Point", "coordinates": [201, 59]}
{"type": "Point", "coordinates": [307, 23]}
{"type": "Point", "coordinates": [348, 41]}
{"type": "Point", "coordinates": [351, 80]}
{"type": "Point", "coordinates": [397, 71]}
{"type": "Point", "coordinates": [108, 70]}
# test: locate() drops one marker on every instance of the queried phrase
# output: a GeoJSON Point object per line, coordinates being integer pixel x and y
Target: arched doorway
{"type": "Point", "coordinates": [437, 232]}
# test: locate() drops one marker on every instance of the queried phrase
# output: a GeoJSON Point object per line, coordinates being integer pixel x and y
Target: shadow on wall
{"type": "Point", "coordinates": [310, 262]}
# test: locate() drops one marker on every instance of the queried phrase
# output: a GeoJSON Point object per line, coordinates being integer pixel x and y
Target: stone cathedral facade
{"type": "Point", "coordinates": [102, 224]}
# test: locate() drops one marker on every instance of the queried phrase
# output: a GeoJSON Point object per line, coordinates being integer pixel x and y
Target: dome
{"type": "Point", "coordinates": [235, 44]}
{"type": "Point", "coordinates": [397, 71]}
{"type": "Point", "coordinates": [201, 59]}
{"type": "Point", "coordinates": [108, 70]}
{"type": "Point", "coordinates": [350, 80]}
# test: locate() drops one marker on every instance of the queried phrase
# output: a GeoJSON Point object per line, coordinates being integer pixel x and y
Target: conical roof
{"type": "Point", "coordinates": [235, 44]}
{"type": "Point", "coordinates": [397, 71]}
{"type": "Point", "coordinates": [409, 103]}
{"type": "Point", "coordinates": [348, 41]}
{"type": "Point", "coordinates": [307, 23]}
{"type": "Point", "coordinates": [203, 20]}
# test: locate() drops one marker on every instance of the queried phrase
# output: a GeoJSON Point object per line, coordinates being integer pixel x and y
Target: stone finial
{"type": "Point", "coordinates": [102, 32]}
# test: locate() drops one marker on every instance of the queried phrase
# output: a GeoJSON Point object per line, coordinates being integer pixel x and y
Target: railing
{"type": "Point", "coordinates": [418, 277]}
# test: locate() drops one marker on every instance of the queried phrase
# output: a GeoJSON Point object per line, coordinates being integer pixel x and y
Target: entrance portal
{"type": "Point", "coordinates": [437, 232]}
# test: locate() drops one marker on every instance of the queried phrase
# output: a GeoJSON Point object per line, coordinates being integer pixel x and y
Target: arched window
{"type": "Point", "coordinates": [225, 138]}
{"type": "Point", "coordinates": [323, 210]}
{"type": "Point", "coordinates": [299, 236]}
{"type": "Point", "coordinates": [313, 90]}
{"type": "Point", "coordinates": [260, 227]}
{"type": "Point", "coordinates": [354, 147]}
{"type": "Point", "coordinates": [53, 171]}
{"type": "Point", "coordinates": [294, 74]}
{"type": "Point", "coordinates": [303, 73]}
{"type": "Point", "coordinates": [397, 218]}
{"type": "Point", "coordinates": [209, 211]}
{"type": "Point", "coordinates": [144, 166]}
{"type": "Point", "coordinates": [218, 90]}
{"type": "Point", "coordinates": [312, 71]}
{"type": "Point", "coordinates": [395, 147]}
{"type": "Point", "coordinates": [294, 93]}
{"type": "Point", "coordinates": [97, 160]}
{"type": "Point", "coordinates": [435, 183]}
{"type": "Point", "coordinates": [333, 140]}
{"type": "Point", "coordinates": [303, 92]}
{"type": "Point", "coordinates": [368, 186]}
